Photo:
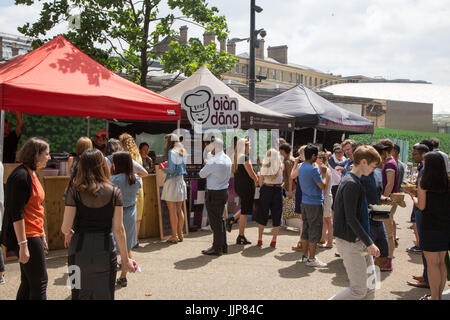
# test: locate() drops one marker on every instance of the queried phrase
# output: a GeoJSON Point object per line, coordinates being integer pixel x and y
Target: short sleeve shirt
{"type": "Point", "coordinates": [309, 176]}
{"type": "Point", "coordinates": [390, 165]}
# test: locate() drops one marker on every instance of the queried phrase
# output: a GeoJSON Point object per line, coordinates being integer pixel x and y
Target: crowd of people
{"type": "Point", "coordinates": [336, 194]}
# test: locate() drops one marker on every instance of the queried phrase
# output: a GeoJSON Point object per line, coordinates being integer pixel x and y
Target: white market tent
{"type": "Point", "coordinates": [252, 115]}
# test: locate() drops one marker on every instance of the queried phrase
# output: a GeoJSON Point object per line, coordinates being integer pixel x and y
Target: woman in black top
{"type": "Point", "coordinates": [94, 210]}
{"type": "Point", "coordinates": [244, 184]}
{"type": "Point", "coordinates": [433, 198]}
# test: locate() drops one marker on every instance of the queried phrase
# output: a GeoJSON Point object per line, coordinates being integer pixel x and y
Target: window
{"type": "Point", "coordinates": [301, 79]}
{"type": "Point", "coordinates": [281, 75]}
{"type": "Point", "coordinates": [243, 69]}
{"type": "Point", "coordinates": [236, 69]}
{"type": "Point", "coordinates": [274, 74]}
{"type": "Point", "coordinates": [326, 82]}
{"type": "Point", "coordinates": [321, 82]}
{"type": "Point", "coordinates": [297, 78]}
{"type": "Point", "coordinates": [315, 82]}
{"type": "Point", "coordinates": [310, 81]}
{"type": "Point", "coordinates": [7, 52]}
{"type": "Point", "coordinates": [267, 73]}
{"type": "Point", "coordinates": [290, 77]}
{"type": "Point", "coordinates": [259, 71]}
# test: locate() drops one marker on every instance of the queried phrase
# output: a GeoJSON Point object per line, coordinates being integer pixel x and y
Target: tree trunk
{"type": "Point", "coordinates": [144, 49]}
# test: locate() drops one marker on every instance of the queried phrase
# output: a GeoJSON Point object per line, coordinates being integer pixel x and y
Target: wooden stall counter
{"type": "Point", "coordinates": [54, 209]}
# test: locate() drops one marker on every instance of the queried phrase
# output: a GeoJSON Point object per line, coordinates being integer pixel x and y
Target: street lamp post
{"type": "Point", "coordinates": [253, 35]}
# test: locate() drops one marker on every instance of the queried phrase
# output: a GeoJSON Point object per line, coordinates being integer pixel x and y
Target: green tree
{"type": "Point", "coordinates": [122, 34]}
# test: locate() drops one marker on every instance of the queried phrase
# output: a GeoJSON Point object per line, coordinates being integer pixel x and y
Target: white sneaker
{"type": "Point", "coordinates": [316, 263]}
{"type": "Point", "coordinates": [2, 279]}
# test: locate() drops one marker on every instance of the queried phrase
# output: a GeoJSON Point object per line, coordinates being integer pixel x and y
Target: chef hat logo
{"type": "Point", "coordinates": [198, 104]}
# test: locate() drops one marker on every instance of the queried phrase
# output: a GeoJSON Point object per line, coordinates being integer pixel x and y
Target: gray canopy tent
{"type": "Point", "coordinates": [312, 111]}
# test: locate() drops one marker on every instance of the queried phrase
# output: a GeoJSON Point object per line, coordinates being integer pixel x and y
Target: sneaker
{"type": "Point", "coordinates": [315, 263]}
{"type": "Point", "coordinates": [2, 279]}
{"type": "Point", "coordinates": [414, 249]}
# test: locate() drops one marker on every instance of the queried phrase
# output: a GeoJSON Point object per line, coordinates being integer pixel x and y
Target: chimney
{"type": "Point", "coordinates": [183, 35]}
{"type": "Point", "coordinates": [207, 38]}
{"type": "Point", "coordinates": [15, 51]}
{"type": "Point", "coordinates": [231, 48]}
{"type": "Point", "coordinates": [259, 52]}
{"type": "Point", "coordinates": [278, 53]}
{"type": "Point", "coordinates": [223, 45]}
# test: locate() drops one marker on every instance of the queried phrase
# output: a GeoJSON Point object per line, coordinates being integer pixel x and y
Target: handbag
{"type": "Point", "coordinates": [289, 208]}
{"type": "Point", "coordinates": [379, 212]}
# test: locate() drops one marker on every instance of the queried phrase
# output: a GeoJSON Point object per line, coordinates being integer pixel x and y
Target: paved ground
{"type": "Point", "coordinates": [180, 271]}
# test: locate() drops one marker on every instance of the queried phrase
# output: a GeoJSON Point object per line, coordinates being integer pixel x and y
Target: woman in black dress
{"type": "Point", "coordinates": [244, 184]}
{"type": "Point", "coordinates": [94, 210]}
{"type": "Point", "coordinates": [433, 198]}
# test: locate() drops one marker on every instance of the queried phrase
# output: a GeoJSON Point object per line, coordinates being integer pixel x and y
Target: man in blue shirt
{"type": "Point", "coordinates": [217, 172]}
{"type": "Point", "coordinates": [311, 184]}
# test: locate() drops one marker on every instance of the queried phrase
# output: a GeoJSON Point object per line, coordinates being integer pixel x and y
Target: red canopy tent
{"type": "Point", "coordinates": [59, 79]}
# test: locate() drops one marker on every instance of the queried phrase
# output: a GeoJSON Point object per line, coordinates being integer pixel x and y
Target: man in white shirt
{"type": "Point", "coordinates": [217, 172]}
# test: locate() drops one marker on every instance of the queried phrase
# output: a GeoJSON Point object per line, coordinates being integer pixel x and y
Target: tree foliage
{"type": "Point", "coordinates": [122, 34]}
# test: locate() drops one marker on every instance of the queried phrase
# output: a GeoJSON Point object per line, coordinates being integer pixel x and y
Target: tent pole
{"type": "Point", "coordinates": [2, 134]}
{"type": "Point", "coordinates": [292, 140]}
{"type": "Point", "coordinates": [178, 124]}
{"type": "Point", "coordinates": [315, 135]}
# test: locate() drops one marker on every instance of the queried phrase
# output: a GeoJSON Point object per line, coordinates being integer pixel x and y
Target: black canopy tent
{"type": "Point", "coordinates": [317, 119]}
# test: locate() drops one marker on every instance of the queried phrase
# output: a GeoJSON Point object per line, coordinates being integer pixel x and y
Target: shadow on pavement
{"type": "Point", "coordinates": [289, 256]}
{"type": "Point", "coordinates": [295, 271]}
{"type": "Point", "coordinates": [255, 251]}
{"type": "Point", "coordinates": [415, 258]}
{"type": "Point", "coordinates": [337, 268]}
{"type": "Point", "coordinates": [194, 263]}
{"type": "Point", "coordinates": [413, 294]}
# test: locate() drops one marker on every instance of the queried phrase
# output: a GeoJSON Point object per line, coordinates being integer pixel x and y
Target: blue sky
{"type": "Point", "coordinates": [387, 38]}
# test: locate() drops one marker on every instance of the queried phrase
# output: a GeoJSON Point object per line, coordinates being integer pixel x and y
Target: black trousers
{"type": "Point", "coordinates": [215, 204]}
{"type": "Point", "coordinates": [33, 274]}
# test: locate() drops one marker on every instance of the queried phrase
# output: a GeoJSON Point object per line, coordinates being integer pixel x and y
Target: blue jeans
{"type": "Point", "coordinates": [418, 215]}
{"type": "Point", "coordinates": [379, 237]}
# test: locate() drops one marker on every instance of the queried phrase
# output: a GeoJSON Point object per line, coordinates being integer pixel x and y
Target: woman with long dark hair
{"type": "Point", "coordinates": [174, 191]}
{"type": "Point", "coordinates": [244, 184]}
{"type": "Point", "coordinates": [93, 211]}
{"type": "Point", "coordinates": [23, 223]}
{"type": "Point", "coordinates": [433, 198]}
{"type": "Point", "coordinates": [129, 184]}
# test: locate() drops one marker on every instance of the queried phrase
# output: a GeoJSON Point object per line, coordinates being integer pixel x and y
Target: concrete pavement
{"type": "Point", "coordinates": [180, 271]}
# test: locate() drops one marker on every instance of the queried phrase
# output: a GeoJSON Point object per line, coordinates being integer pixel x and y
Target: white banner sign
{"type": "Point", "coordinates": [207, 110]}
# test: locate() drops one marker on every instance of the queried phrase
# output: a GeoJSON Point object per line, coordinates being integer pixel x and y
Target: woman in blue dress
{"type": "Point", "coordinates": [129, 184]}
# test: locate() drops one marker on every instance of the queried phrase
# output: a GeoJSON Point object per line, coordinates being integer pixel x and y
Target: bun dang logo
{"type": "Point", "coordinates": [211, 111]}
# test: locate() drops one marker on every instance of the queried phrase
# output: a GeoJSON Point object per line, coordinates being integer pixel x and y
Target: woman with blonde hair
{"type": "Point", "coordinates": [244, 185]}
{"type": "Point", "coordinates": [174, 189]}
{"type": "Point", "coordinates": [83, 144]}
{"type": "Point", "coordinates": [130, 146]}
{"type": "Point", "coordinates": [271, 195]}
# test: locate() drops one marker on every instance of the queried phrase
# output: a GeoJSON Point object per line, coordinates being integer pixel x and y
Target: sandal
{"type": "Point", "coordinates": [273, 244]}
{"type": "Point", "coordinates": [172, 240]}
{"type": "Point", "coordinates": [122, 282]}
{"type": "Point", "coordinates": [229, 223]}
{"type": "Point", "coordinates": [426, 297]}
{"type": "Point", "coordinates": [324, 246]}
{"type": "Point", "coordinates": [419, 284]}
{"type": "Point", "coordinates": [298, 247]}
{"type": "Point", "coordinates": [180, 238]}
{"type": "Point", "coordinates": [242, 240]}
{"type": "Point", "coordinates": [259, 243]}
